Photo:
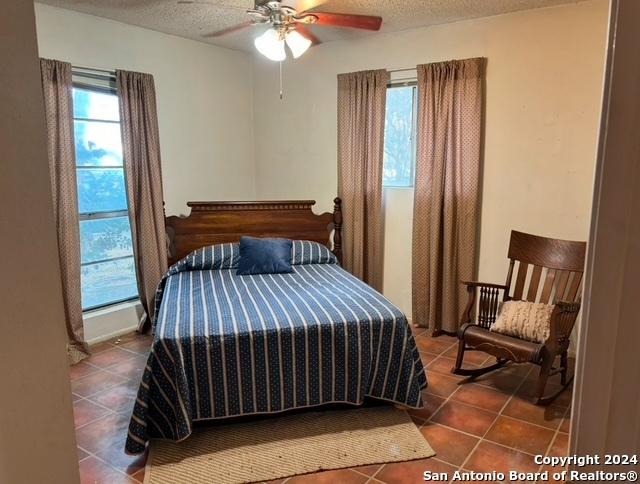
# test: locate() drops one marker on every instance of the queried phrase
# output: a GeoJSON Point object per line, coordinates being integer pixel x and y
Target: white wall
{"type": "Point", "coordinates": [544, 81]}
{"type": "Point", "coordinates": [398, 225]}
{"type": "Point", "coordinates": [204, 94]}
{"type": "Point", "coordinates": [37, 443]}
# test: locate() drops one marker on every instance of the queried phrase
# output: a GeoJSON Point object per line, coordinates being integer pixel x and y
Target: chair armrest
{"type": "Point", "coordinates": [563, 319]}
{"type": "Point", "coordinates": [488, 303]}
{"type": "Point", "coordinates": [472, 284]}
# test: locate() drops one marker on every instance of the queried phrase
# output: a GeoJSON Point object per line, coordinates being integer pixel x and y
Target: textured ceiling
{"type": "Point", "coordinates": [194, 20]}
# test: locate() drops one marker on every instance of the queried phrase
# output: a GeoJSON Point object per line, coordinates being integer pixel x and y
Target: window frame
{"type": "Point", "coordinates": [104, 83]}
{"type": "Point", "coordinates": [413, 83]}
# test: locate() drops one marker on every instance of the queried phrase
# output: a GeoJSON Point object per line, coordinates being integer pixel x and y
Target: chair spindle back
{"type": "Point", "coordinates": [548, 270]}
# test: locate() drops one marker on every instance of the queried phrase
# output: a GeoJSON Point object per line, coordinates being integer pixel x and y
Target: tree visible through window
{"type": "Point", "coordinates": [399, 137]}
{"type": "Point", "coordinates": [108, 270]}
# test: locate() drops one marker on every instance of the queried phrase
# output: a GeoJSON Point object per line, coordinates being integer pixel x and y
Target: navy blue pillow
{"type": "Point", "coordinates": [264, 256]}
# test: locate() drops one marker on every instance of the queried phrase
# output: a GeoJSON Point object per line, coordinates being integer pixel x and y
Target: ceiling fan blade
{"type": "Point", "coordinates": [366, 22]}
{"type": "Point", "coordinates": [228, 30]}
{"type": "Point", "coordinates": [306, 33]}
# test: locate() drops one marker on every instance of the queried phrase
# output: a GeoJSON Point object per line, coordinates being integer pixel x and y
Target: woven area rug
{"type": "Point", "coordinates": [280, 447]}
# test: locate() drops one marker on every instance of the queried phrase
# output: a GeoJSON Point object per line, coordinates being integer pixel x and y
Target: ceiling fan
{"type": "Point", "coordinates": [289, 26]}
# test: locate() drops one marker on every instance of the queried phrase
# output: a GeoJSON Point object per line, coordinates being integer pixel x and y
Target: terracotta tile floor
{"type": "Point", "coordinates": [483, 426]}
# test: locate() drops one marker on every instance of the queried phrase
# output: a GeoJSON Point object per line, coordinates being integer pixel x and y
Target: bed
{"type": "Point", "coordinates": [228, 346]}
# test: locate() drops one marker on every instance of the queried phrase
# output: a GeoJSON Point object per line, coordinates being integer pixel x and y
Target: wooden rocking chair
{"type": "Point", "coordinates": [560, 264]}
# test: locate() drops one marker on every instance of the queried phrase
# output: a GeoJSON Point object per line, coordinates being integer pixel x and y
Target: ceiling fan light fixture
{"type": "Point", "coordinates": [297, 43]}
{"type": "Point", "coordinates": [271, 45]}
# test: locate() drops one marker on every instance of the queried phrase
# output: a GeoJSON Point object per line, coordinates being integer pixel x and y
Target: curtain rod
{"type": "Point", "coordinates": [97, 69]}
{"type": "Point", "coordinates": [112, 71]}
{"type": "Point", "coordinates": [402, 70]}
{"type": "Point", "coordinates": [403, 80]}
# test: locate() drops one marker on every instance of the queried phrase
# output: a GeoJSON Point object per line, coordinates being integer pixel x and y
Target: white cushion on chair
{"type": "Point", "coordinates": [524, 320]}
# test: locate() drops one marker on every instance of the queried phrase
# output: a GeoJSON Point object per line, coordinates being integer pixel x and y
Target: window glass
{"type": "Point", "coordinates": [105, 238]}
{"type": "Point", "coordinates": [108, 282]}
{"type": "Point", "coordinates": [97, 143]}
{"type": "Point", "coordinates": [399, 137]}
{"type": "Point", "coordinates": [101, 190]}
{"type": "Point", "coordinates": [90, 104]}
{"type": "Point", "coordinates": [108, 271]}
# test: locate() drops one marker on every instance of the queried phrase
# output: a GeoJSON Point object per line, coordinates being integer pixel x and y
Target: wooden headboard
{"type": "Point", "coordinates": [216, 222]}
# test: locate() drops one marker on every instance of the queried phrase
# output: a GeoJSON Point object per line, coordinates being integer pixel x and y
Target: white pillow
{"type": "Point", "coordinates": [524, 320]}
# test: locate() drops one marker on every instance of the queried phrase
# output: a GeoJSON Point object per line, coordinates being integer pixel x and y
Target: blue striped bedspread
{"type": "Point", "coordinates": [228, 345]}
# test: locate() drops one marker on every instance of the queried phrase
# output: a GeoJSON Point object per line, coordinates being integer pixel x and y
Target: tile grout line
{"type": "Point", "coordinates": [113, 365]}
{"type": "Point", "coordinates": [435, 412]}
{"type": "Point", "coordinates": [373, 476]}
{"type": "Point", "coordinates": [98, 458]}
{"type": "Point", "coordinates": [110, 411]}
{"type": "Point", "coordinates": [484, 409]}
{"type": "Point", "coordinates": [106, 370]}
{"type": "Point", "coordinates": [86, 397]}
{"type": "Point", "coordinates": [437, 355]}
{"type": "Point", "coordinates": [111, 346]}
{"type": "Point", "coordinates": [555, 436]}
{"type": "Point", "coordinates": [555, 429]}
{"type": "Point", "coordinates": [481, 439]}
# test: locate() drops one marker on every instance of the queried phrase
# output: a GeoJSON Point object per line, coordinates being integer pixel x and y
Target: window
{"type": "Point", "coordinates": [107, 271]}
{"type": "Point", "coordinates": [399, 137]}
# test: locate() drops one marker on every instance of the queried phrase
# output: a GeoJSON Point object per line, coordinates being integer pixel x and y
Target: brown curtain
{"type": "Point", "coordinates": [141, 152]}
{"type": "Point", "coordinates": [361, 113]}
{"type": "Point", "coordinates": [58, 104]}
{"type": "Point", "coordinates": [447, 190]}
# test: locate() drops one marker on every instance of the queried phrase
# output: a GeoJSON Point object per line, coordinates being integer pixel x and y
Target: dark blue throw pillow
{"type": "Point", "coordinates": [264, 256]}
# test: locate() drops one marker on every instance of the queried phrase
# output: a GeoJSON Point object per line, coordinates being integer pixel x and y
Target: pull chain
{"type": "Point", "coordinates": [281, 88]}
